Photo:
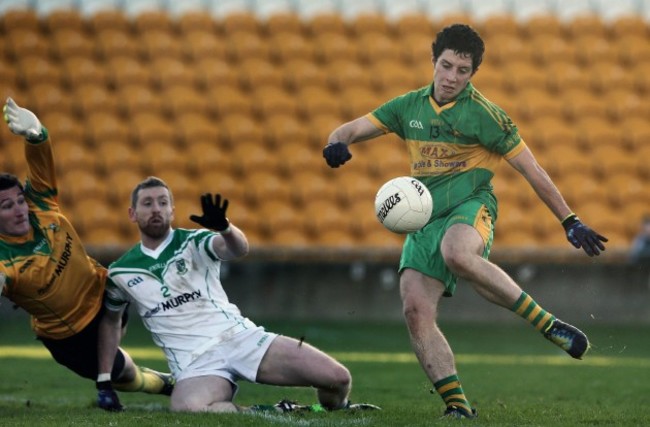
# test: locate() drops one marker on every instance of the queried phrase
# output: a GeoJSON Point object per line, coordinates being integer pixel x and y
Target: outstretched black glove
{"type": "Point", "coordinates": [107, 398]}
{"type": "Point", "coordinates": [214, 213]}
{"type": "Point", "coordinates": [336, 154]}
{"type": "Point", "coordinates": [582, 236]}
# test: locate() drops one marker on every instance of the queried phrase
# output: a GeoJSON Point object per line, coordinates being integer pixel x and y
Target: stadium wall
{"type": "Point", "coordinates": [369, 291]}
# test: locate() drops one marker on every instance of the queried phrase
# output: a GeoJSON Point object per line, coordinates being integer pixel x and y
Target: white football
{"type": "Point", "coordinates": [403, 205]}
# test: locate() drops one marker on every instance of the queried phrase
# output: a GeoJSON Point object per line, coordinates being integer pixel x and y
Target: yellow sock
{"type": "Point", "coordinates": [452, 393]}
{"type": "Point", "coordinates": [146, 380]}
{"type": "Point", "coordinates": [527, 308]}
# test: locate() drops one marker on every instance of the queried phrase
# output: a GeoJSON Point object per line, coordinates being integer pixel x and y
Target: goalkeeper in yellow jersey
{"type": "Point", "coordinates": [456, 138]}
{"type": "Point", "coordinates": [45, 270]}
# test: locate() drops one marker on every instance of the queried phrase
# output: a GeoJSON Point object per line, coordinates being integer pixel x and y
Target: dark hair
{"type": "Point", "coordinates": [462, 39]}
{"type": "Point", "coordinates": [8, 181]}
{"type": "Point", "coordinates": [150, 182]}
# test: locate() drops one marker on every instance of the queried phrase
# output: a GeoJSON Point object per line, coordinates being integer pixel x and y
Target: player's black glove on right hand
{"type": "Point", "coordinates": [214, 213]}
{"type": "Point", "coordinates": [582, 236]}
{"type": "Point", "coordinates": [107, 398]}
{"type": "Point", "coordinates": [336, 154]}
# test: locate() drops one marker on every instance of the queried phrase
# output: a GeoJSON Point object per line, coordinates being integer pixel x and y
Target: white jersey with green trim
{"type": "Point", "coordinates": [177, 292]}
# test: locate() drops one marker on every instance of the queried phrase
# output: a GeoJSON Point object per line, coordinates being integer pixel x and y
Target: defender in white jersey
{"type": "Point", "coordinates": [172, 278]}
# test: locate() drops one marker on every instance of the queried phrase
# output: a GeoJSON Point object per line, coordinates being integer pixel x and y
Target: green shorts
{"type": "Point", "coordinates": [421, 250]}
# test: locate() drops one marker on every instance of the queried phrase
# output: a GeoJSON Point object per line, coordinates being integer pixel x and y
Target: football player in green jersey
{"type": "Point", "coordinates": [456, 138]}
{"type": "Point", "coordinates": [44, 269]}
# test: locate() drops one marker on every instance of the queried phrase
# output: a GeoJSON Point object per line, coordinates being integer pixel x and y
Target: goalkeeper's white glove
{"type": "Point", "coordinates": [21, 121]}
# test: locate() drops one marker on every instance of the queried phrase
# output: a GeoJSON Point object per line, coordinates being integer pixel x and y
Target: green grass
{"type": "Point", "coordinates": [512, 375]}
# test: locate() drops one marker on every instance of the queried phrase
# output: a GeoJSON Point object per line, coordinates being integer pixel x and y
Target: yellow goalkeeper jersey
{"type": "Point", "coordinates": [48, 272]}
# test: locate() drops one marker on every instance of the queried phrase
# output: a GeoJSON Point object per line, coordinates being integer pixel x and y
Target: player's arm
{"type": "Point", "coordinates": [108, 341]}
{"type": "Point", "coordinates": [38, 151]}
{"type": "Point", "coordinates": [336, 151]}
{"type": "Point", "coordinates": [231, 242]}
{"type": "Point", "coordinates": [577, 233]}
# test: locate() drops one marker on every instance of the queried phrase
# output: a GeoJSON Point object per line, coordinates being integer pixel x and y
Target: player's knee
{"type": "Point", "coordinates": [458, 262]}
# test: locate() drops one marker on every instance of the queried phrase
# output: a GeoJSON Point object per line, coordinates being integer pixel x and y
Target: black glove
{"type": "Point", "coordinates": [336, 154]}
{"type": "Point", "coordinates": [214, 213]}
{"type": "Point", "coordinates": [107, 398]}
{"type": "Point", "coordinates": [582, 236]}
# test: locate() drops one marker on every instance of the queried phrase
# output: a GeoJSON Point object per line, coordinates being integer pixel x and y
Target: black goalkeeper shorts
{"type": "Point", "coordinates": [79, 352]}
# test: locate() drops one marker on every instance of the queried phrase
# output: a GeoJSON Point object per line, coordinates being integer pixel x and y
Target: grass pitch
{"type": "Point", "coordinates": [510, 373]}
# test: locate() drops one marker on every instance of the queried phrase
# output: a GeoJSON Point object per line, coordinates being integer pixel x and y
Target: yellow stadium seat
{"type": "Point", "coordinates": [314, 101]}
{"type": "Point", "coordinates": [229, 101]}
{"type": "Point", "coordinates": [370, 24]}
{"type": "Point", "coordinates": [607, 76]}
{"type": "Point", "coordinates": [94, 98]}
{"type": "Point", "coordinates": [273, 101]}
{"type": "Point", "coordinates": [592, 49]}
{"type": "Point", "coordinates": [586, 24]}
{"type": "Point", "coordinates": [215, 73]}
{"type": "Point", "coordinates": [242, 21]}
{"type": "Point", "coordinates": [290, 237]}
{"type": "Point", "coordinates": [136, 98]}
{"type": "Point", "coordinates": [195, 22]}
{"type": "Point", "coordinates": [69, 42]}
{"type": "Point", "coordinates": [37, 69]}
{"type": "Point", "coordinates": [551, 49]}
{"type": "Point", "coordinates": [287, 46]}
{"type": "Point", "coordinates": [279, 217]}
{"type": "Point", "coordinates": [161, 158]}
{"type": "Point", "coordinates": [564, 76]}
{"type": "Point", "coordinates": [300, 73]}
{"type": "Point", "coordinates": [245, 46]}
{"type": "Point", "coordinates": [413, 24]}
{"type": "Point", "coordinates": [504, 49]}
{"type": "Point", "coordinates": [578, 104]}
{"type": "Point", "coordinates": [628, 25]}
{"type": "Point", "coordinates": [149, 129]}
{"type": "Point", "coordinates": [112, 42]}
{"type": "Point", "coordinates": [117, 155]}
{"type": "Point", "coordinates": [63, 125]}
{"type": "Point", "coordinates": [536, 103]}
{"type": "Point", "coordinates": [46, 97]}
{"type": "Point", "coordinates": [184, 100]}
{"type": "Point", "coordinates": [612, 158]}
{"type": "Point", "coordinates": [286, 129]}
{"type": "Point", "coordinates": [157, 42]}
{"type": "Point", "coordinates": [193, 129]}
{"type": "Point", "coordinates": [542, 24]}
{"type": "Point", "coordinates": [326, 24]}
{"type": "Point", "coordinates": [80, 70]}
{"type": "Point", "coordinates": [19, 18]}
{"type": "Point", "coordinates": [383, 48]}
{"type": "Point", "coordinates": [632, 49]}
{"type": "Point", "coordinates": [109, 19]}
{"type": "Point", "coordinates": [240, 129]}
{"type": "Point", "coordinates": [104, 126]}
{"type": "Point", "coordinates": [256, 72]}
{"type": "Point", "coordinates": [594, 132]}
{"type": "Point", "coordinates": [167, 72]}
{"type": "Point", "coordinates": [76, 185]}
{"type": "Point", "coordinates": [153, 20]}
{"type": "Point", "coordinates": [204, 46]}
{"type": "Point", "coordinates": [637, 132]}
{"type": "Point", "coordinates": [416, 49]}
{"type": "Point", "coordinates": [345, 74]}
{"type": "Point", "coordinates": [359, 101]}
{"type": "Point", "coordinates": [308, 184]}
{"type": "Point", "coordinates": [123, 71]}
{"type": "Point", "coordinates": [284, 23]}
{"type": "Point", "coordinates": [335, 46]}
{"type": "Point", "coordinates": [624, 104]}
{"type": "Point", "coordinates": [524, 75]}
{"type": "Point", "coordinates": [263, 185]}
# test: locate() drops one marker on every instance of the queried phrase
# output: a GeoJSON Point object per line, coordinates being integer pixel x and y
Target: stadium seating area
{"type": "Point", "coordinates": [238, 97]}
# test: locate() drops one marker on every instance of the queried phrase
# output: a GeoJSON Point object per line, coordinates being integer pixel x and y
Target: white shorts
{"type": "Point", "coordinates": [236, 358]}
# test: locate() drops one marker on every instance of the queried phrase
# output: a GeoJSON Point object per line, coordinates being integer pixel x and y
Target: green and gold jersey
{"type": "Point", "coordinates": [454, 149]}
{"type": "Point", "coordinates": [48, 272]}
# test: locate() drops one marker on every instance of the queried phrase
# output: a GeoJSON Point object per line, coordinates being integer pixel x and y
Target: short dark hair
{"type": "Point", "coordinates": [8, 180]}
{"type": "Point", "coordinates": [462, 39]}
{"type": "Point", "coordinates": [149, 182]}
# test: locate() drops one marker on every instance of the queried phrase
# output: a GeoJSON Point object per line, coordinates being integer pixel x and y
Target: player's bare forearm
{"type": "Point", "coordinates": [231, 245]}
{"type": "Point", "coordinates": [110, 334]}
{"type": "Point", "coordinates": [357, 130]}
{"type": "Point", "coordinates": [541, 182]}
